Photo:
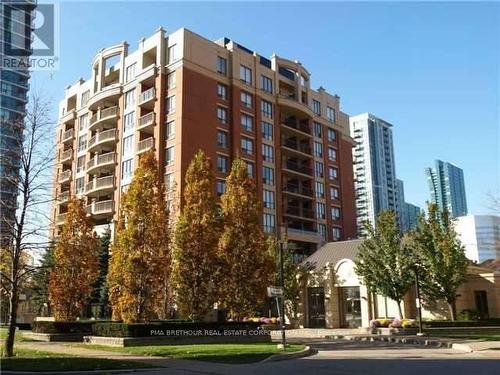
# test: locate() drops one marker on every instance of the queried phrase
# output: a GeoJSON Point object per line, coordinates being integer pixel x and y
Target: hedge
{"type": "Point", "coordinates": [462, 323]}
{"type": "Point", "coordinates": [84, 327]}
{"type": "Point", "coordinates": [115, 329]}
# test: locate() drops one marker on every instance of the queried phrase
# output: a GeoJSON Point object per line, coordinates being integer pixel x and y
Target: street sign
{"type": "Point", "coordinates": [274, 291]}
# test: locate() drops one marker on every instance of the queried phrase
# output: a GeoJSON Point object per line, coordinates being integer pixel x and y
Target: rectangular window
{"type": "Point", "coordinates": [268, 196]}
{"type": "Point", "coordinates": [222, 114]}
{"type": "Point", "coordinates": [331, 135]}
{"type": "Point", "coordinates": [322, 231]}
{"type": "Point", "coordinates": [222, 163]}
{"type": "Point", "coordinates": [80, 185]}
{"type": "Point", "coordinates": [221, 65]}
{"type": "Point", "coordinates": [335, 213]}
{"type": "Point", "coordinates": [128, 145]}
{"type": "Point", "coordinates": [316, 107]}
{"type": "Point", "coordinates": [318, 150]}
{"type": "Point", "coordinates": [247, 145]}
{"type": "Point", "coordinates": [266, 108]}
{"type": "Point", "coordinates": [85, 98]}
{"type": "Point", "coordinates": [267, 130]}
{"type": "Point", "coordinates": [220, 187]}
{"type": "Point", "coordinates": [330, 114]}
{"type": "Point", "coordinates": [171, 104]}
{"type": "Point", "coordinates": [320, 190]}
{"type": "Point", "coordinates": [332, 154]}
{"type": "Point", "coordinates": [317, 129]}
{"type": "Point", "coordinates": [246, 99]}
{"type": "Point", "coordinates": [266, 84]}
{"type": "Point", "coordinates": [82, 142]}
{"type": "Point", "coordinates": [318, 169]}
{"type": "Point", "coordinates": [172, 53]}
{"type": "Point", "coordinates": [250, 169]}
{"type": "Point", "coordinates": [333, 173]}
{"type": "Point", "coordinates": [130, 72]}
{"type": "Point", "coordinates": [268, 175]}
{"type": "Point", "coordinates": [222, 91]}
{"type": "Point", "coordinates": [84, 122]}
{"type": "Point", "coordinates": [320, 210]}
{"type": "Point", "coordinates": [222, 139]}
{"type": "Point", "coordinates": [129, 121]}
{"type": "Point", "coordinates": [170, 130]}
{"type": "Point", "coordinates": [171, 80]}
{"type": "Point", "coordinates": [80, 164]}
{"type": "Point", "coordinates": [169, 181]}
{"type": "Point", "coordinates": [334, 193]}
{"type": "Point", "coordinates": [336, 233]}
{"type": "Point", "coordinates": [267, 153]}
{"type": "Point", "coordinates": [169, 155]}
{"type": "Point", "coordinates": [269, 223]}
{"type": "Point", "coordinates": [247, 122]}
{"type": "Point", "coordinates": [129, 99]}
{"type": "Point", "coordinates": [246, 74]}
{"type": "Point", "coordinates": [127, 169]}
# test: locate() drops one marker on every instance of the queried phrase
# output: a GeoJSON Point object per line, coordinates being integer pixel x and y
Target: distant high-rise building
{"type": "Point", "coordinates": [407, 212]}
{"type": "Point", "coordinates": [374, 168]}
{"type": "Point", "coordinates": [480, 235]}
{"type": "Point", "coordinates": [447, 188]}
{"type": "Point", "coordinates": [15, 49]}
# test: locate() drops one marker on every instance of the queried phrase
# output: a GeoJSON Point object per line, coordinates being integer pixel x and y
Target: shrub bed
{"type": "Point", "coordinates": [115, 329]}
{"type": "Point", "coordinates": [83, 327]}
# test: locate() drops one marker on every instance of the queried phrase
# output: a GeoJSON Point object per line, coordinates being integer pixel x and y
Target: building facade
{"type": "Point", "coordinates": [179, 93]}
{"type": "Point", "coordinates": [447, 188]}
{"type": "Point", "coordinates": [374, 168]}
{"type": "Point", "coordinates": [410, 215]}
{"type": "Point", "coordinates": [15, 49]}
{"type": "Point", "coordinates": [480, 235]}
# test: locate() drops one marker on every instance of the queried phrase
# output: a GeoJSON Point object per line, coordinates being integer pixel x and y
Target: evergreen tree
{"type": "Point", "coordinates": [196, 235]}
{"type": "Point", "coordinates": [140, 254]}
{"type": "Point", "coordinates": [40, 282]}
{"type": "Point", "coordinates": [75, 264]}
{"type": "Point", "coordinates": [247, 265]}
{"type": "Point", "coordinates": [385, 259]}
{"type": "Point", "coordinates": [100, 292]}
{"type": "Point", "coordinates": [442, 257]}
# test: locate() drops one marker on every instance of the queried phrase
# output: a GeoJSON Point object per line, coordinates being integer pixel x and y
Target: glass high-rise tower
{"type": "Point", "coordinates": [447, 188]}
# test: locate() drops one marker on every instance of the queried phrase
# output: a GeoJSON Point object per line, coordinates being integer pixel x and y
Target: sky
{"type": "Point", "coordinates": [430, 69]}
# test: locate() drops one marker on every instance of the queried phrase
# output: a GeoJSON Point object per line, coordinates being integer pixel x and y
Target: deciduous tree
{"type": "Point", "coordinates": [75, 264]}
{"type": "Point", "coordinates": [247, 265]}
{"type": "Point", "coordinates": [385, 259]}
{"type": "Point", "coordinates": [140, 254]}
{"type": "Point", "coordinates": [195, 263]}
{"type": "Point", "coordinates": [442, 257]}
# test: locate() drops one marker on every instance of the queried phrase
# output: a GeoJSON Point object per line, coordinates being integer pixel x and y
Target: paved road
{"type": "Point", "coordinates": [354, 358]}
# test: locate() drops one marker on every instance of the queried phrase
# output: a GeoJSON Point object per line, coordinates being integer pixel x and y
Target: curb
{"type": "Point", "coordinates": [436, 343]}
{"type": "Point", "coordinates": [90, 372]}
{"type": "Point", "coordinates": [306, 352]}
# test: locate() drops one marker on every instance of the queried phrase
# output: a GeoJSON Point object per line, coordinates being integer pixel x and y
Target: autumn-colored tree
{"type": "Point", "coordinates": [196, 237]}
{"type": "Point", "coordinates": [247, 264]}
{"type": "Point", "coordinates": [441, 257]}
{"type": "Point", "coordinates": [140, 254]}
{"type": "Point", "coordinates": [75, 264]}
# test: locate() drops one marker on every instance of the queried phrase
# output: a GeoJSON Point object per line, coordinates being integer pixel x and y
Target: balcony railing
{"type": "Point", "coordinates": [300, 212]}
{"type": "Point", "coordinates": [104, 114]}
{"type": "Point", "coordinates": [147, 95]}
{"type": "Point", "coordinates": [296, 189]}
{"type": "Point", "coordinates": [100, 183]}
{"type": "Point", "coordinates": [66, 155]}
{"type": "Point", "coordinates": [65, 176]}
{"type": "Point", "coordinates": [145, 144]}
{"type": "Point", "coordinates": [68, 135]}
{"type": "Point", "coordinates": [146, 120]}
{"type": "Point", "coordinates": [63, 197]}
{"type": "Point", "coordinates": [60, 218]}
{"type": "Point", "coordinates": [297, 168]}
{"type": "Point", "coordinates": [301, 125]}
{"type": "Point", "coordinates": [100, 160]}
{"type": "Point", "coordinates": [102, 137]}
{"type": "Point", "coordinates": [297, 146]}
{"type": "Point", "coordinates": [102, 207]}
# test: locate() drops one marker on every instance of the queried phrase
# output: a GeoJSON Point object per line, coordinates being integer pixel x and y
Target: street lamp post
{"type": "Point", "coordinates": [282, 299]}
{"type": "Point", "coordinates": [419, 302]}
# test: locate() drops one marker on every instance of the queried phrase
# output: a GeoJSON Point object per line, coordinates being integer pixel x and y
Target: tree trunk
{"type": "Point", "coordinates": [400, 311]}
{"type": "Point", "coordinates": [453, 310]}
{"type": "Point", "coordinates": [11, 332]}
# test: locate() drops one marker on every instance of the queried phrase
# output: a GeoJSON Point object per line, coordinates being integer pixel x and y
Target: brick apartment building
{"type": "Point", "coordinates": [179, 93]}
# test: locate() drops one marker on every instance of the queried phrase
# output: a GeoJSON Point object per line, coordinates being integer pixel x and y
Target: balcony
{"type": "Point", "coordinates": [298, 190]}
{"type": "Point", "coordinates": [70, 115]}
{"type": "Point", "coordinates": [63, 197]}
{"type": "Point", "coordinates": [291, 102]}
{"type": "Point", "coordinates": [101, 138]}
{"type": "Point", "coordinates": [64, 177]}
{"type": "Point", "coordinates": [145, 145]}
{"type": "Point", "coordinates": [61, 218]}
{"type": "Point", "coordinates": [66, 156]}
{"type": "Point", "coordinates": [100, 185]}
{"type": "Point", "coordinates": [68, 135]}
{"type": "Point", "coordinates": [301, 127]}
{"type": "Point", "coordinates": [108, 93]}
{"type": "Point", "coordinates": [147, 98]}
{"type": "Point", "coordinates": [101, 161]}
{"type": "Point", "coordinates": [295, 146]}
{"type": "Point", "coordinates": [303, 235]}
{"type": "Point", "coordinates": [147, 74]}
{"type": "Point", "coordinates": [297, 168]}
{"type": "Point", "coordinates": [100, 209]}
{"type": "Point", "coordinates": [146, 123]}
{"type": "Point", "coordinates": [296, 211]}
{"type": "Point", "coordinates": [103, 116]}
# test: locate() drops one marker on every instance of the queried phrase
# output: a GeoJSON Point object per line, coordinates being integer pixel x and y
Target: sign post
{"type": "Point", "coordinates": [278, 292]}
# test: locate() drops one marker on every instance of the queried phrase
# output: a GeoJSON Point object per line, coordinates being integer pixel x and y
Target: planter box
{"type": "Point", "coordinates": [394, 331]}
{"type": "Point", "coordinates": [49, 337]}
{"type": "Point", "coordinates": [175, 340]}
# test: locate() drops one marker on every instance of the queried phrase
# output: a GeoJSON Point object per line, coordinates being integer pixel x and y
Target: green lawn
{"type": "Point", "coordinates": [224, 353]}
{"type": "Point", "coordinates": [19, 335]}
{"type": "Point", "coordinates": [34, 360]}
